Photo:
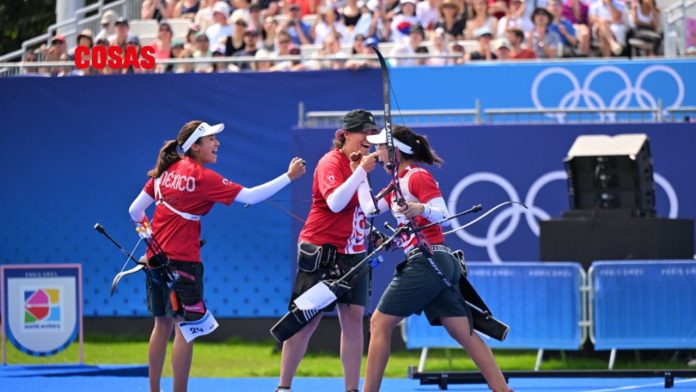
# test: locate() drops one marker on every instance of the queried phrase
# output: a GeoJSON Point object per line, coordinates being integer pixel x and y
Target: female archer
{"type": "Point", "coordinates": [416, 287]}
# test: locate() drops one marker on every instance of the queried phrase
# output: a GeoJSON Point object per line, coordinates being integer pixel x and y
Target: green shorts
{"type": "Point", "coordinates": [357, 295]}
{"type": "Point", "coordinates": [416, 287]}
{"type": "Point", "coordinates": [158, 296]}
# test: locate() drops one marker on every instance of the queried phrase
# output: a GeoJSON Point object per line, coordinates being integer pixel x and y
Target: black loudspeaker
{"type": "Point", "coordinates": [610, 176]}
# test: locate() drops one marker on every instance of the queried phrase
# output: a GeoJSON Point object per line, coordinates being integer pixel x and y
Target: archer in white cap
{"type": "Point", "coordinates": [415, 198]}
{"type": "Point", "coordinates": [184, 190]}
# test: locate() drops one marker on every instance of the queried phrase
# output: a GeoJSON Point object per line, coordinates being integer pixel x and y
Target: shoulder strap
{"type": "Point", "coordinates": [160, 200]}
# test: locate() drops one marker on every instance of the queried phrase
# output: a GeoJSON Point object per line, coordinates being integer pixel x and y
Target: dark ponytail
{"type": "Point", "coordinates": [168, 154]}
{"type": "Point", "coordinates": [420, 145]}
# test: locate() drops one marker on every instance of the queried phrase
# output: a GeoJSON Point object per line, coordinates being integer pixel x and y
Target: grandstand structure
{"type": "Point", "coordinates": [677, 20]}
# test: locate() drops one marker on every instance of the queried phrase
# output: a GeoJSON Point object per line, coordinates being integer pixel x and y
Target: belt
{"type": "Point", "coordinates": [436, 248]}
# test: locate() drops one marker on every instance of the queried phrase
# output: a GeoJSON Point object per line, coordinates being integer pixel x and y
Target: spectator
{"type": "Point", "coordinates": [298, 30]}
{"type": "Point", "coordinates": [241, 10]}
{"type": "Point", "coordinates": [283, 48]}
{"type": "Point", "coordinates": [219, 30]}
{"type": "Point", "coordinates": [409, 46]}
{"type": "Point", "coordinates": [184, 67]}
{"type": "Point", "coordinates": [439, 48]}
{"type": "Point", "coordinates": [250, 47]}
{"type": "Point", "coordinates": [178, 51]}
{"type": "Point", "coordinates": [428, 13]}
{"type": "Point", "coordinates": [157, 9]}
{"type": "Point", "coordinates": [332, 48]}
{"type": "Point", "coordinates": [202, 51]}
{"type": "Point", "coordinates": [292, 65]}
{"type": "Point", "coordinates": [544, 42]}
{"type": "Point", "coordinates": [219, 67]}
{"type": "Point", "coordinates": [235, 42]}
{"type": "Point", "coordinates": [361, 49]}
{"type": "Point", "coordinates": [563, 28]}
{"type": "Point", "coordinates": [108, 21]}
{"type": "Point", "coordinates": [186, 9]}
{"type": "Point", "coordinates": [305, 7]}
{"type": "Point", "coordinates": [163, 43]}
{"type": "Point", "coordinates": [516, 18]}
{"type": "Point", "coordinates": [606, 22]}
{"type": "Point", "coordinates": [204, 16]}
{"type": "Point", "coordinates": [329, 24]}
{"type": "Point", "coordinates": [422, 50]}
{"type": "Point", "coordinates": [372, 24]}
{"type": "Point", "coordinates": [193, 31]}
{"type": "Point", "coordinates": [30, 57]}
{"type": "Point", "coordinates": [502, 49]}
{"type": "Point", "coordinates": [350, 13]}
{"type": "Point", "coordinates": [122, 31]}
{"type": "Point", "coordinates": [459, 50]}
{"type": "Point", "coordinates": [85, 38]}
{"type": "Point", "coordinates": [576, 12]}
{"type": "Point", "coordinates": [269, 33]}
{"type": "Point", "coordinates": [645, 19]}
{"type": "Point", "coordinates": [270, 7]}
{"type": "Point", "coordinates": [263, 62]}
{"type": "Point", "coordinates": [481, 19]}
{"type": "Point", "coordinates": [255, 17]}
{"type": "Point", "coordinates": [56, 52]}
{"type": "Point", "coordinates": [517, 52]}
{"type": "Point", "coordinates": [134, 41]}
{"type": "Point", "coordinates": [484, 37]}
{"type": "Point", "coordinates": [404, 21]}
{"type": "Point", "coordinates": [451, 20]}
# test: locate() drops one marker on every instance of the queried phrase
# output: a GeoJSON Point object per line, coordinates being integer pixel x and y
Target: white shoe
{"type": "Point", "coordinates": [691, 363]}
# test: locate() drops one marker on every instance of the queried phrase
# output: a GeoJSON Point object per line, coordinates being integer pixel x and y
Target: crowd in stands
{"type": "Point", "coordinates": [450, 32]}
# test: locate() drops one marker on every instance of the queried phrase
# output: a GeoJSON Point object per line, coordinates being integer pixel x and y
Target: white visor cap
{"type": "Point", "coordinates": [381, 138]}
{"type": "Point", "coordinates": [204, 129]}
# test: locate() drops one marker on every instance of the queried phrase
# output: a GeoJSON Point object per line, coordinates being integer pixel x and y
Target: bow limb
{"type": "Point", "coordinates": [139, 266]}
{"type": "Point", "coordinates": [121, 274]}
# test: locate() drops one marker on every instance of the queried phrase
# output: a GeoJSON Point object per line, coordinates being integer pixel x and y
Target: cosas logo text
{"type": "Point", "coordinates": [114, 57]}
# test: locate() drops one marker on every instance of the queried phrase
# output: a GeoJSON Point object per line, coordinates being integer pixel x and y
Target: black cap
{"type": "Point", "coordinates": [359, 120]}
{"type": "Point", "coordinates": [121, 21]}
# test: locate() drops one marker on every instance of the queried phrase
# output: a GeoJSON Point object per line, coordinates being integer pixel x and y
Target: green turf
{"type": "Point", "coordinates": [234, 358]}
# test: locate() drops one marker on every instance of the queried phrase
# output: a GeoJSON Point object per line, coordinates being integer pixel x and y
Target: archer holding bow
{"type": "Point", "coordinates": [415, 198]}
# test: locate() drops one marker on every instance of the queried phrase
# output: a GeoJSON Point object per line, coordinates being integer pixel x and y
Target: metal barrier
{"type": "Point", "coordinates": [478, 115]}
{"type": "Point", "coordinates": [642, 305]}
{"type": "Point", "coordinates": [544, 304]}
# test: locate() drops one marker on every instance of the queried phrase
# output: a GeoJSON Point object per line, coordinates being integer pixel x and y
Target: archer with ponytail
{"type": "Point", "coordinates": [184, 190]}
{"type": "Point", "coordinates": [415, 286]}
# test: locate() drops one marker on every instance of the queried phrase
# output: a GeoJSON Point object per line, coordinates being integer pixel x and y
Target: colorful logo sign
{"type": "Point", "coordinates": [42, 309]}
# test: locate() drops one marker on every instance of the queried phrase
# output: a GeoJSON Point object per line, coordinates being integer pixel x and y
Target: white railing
{"type": "Point", "coordinates": [478, 115]}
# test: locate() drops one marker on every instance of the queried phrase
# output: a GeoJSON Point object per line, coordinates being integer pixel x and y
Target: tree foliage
{"type": "Point", "coordinates": [21, 20]}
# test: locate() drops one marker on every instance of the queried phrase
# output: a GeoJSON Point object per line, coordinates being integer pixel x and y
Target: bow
{"type": "Point", "coordinates": [393, 164]}
{"type": "Point", "coordinates": [482, 216]}
{"type": "Point", "coordinates": [139, 265]}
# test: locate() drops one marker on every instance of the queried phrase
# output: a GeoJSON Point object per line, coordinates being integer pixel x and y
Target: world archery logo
{"type": "Point", "coordinates": [42, 309]}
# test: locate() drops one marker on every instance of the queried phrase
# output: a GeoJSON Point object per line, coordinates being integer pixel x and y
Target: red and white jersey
{"type": "Point", "coordinates": [191, 188]}
{"type": "Point", "coordinates": [419, 186]}
{"type": "Point", "coordinates": [346, 229]}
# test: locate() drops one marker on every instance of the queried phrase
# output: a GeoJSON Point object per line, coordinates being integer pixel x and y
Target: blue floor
{"type": "Point", "coordinates": [61, 378]}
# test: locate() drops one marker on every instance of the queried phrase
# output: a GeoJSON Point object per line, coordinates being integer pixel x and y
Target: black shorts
{"type": "Point", "coordinates": [357, 295]}
{"type": "Point", "coordinates": [416, 287]}
{"type": "Point", "coordinates": [159, 296]}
